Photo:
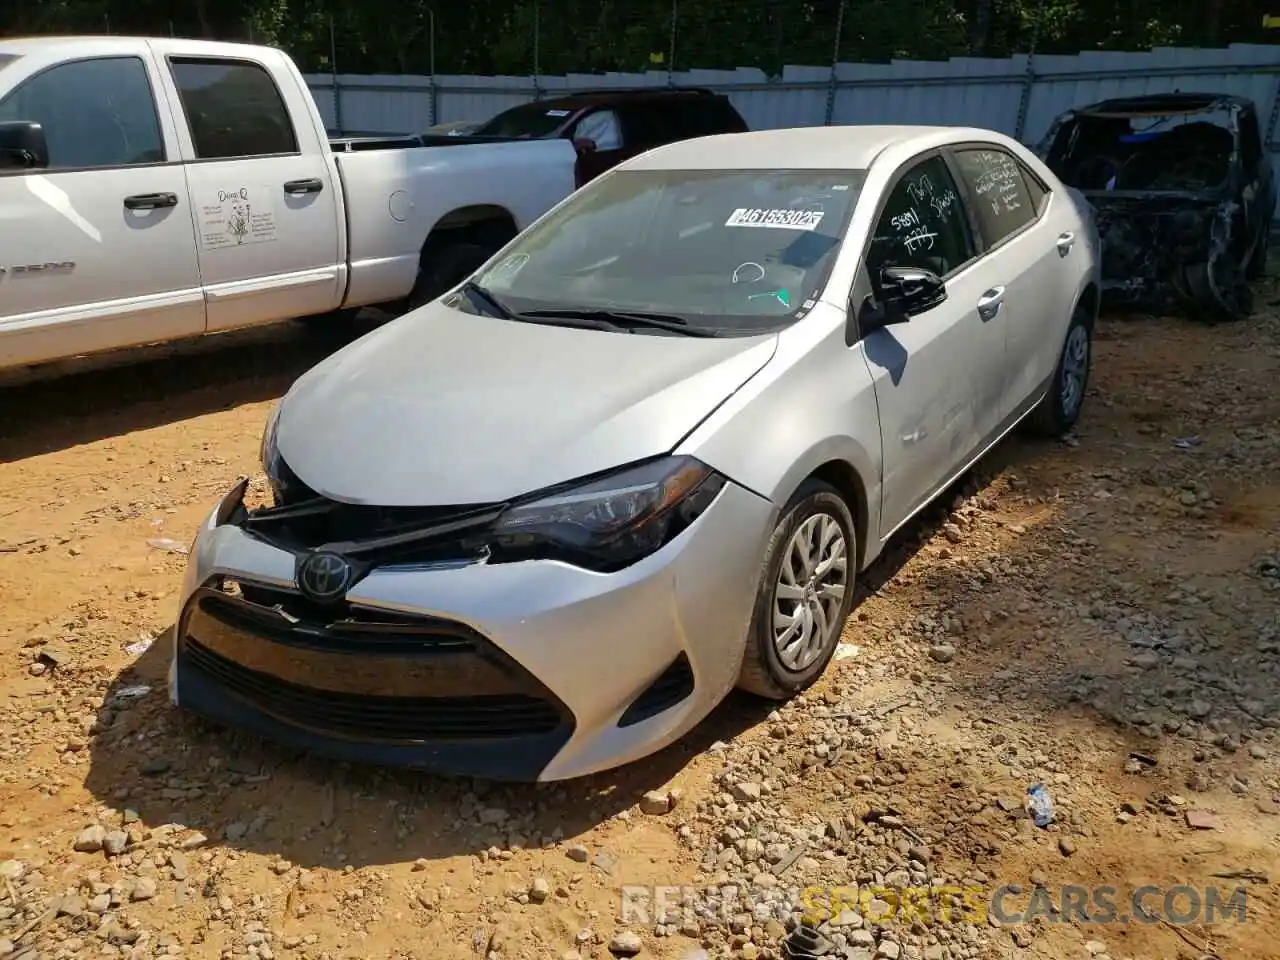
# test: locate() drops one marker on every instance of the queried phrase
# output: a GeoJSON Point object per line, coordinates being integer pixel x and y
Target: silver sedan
{"type": "Point", "coordinates": [541, 526]}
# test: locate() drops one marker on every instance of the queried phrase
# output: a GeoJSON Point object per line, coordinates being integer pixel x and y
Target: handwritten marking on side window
{"type": "Point", "coordinates": [924, 191]}
{"type": "Point", "coordinates": [775, 219]}
{"type": "Point", "coordinates": [997, 180]}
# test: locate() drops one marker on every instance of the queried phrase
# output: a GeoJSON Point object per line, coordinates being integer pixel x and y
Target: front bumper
{"type": "Point", "coordinates": [526, 671]}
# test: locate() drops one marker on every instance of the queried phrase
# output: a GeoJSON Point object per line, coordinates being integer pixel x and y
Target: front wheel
{"type": "Point", "coordinates": [1060, 407]}
{"type": "Point", "coordinates": [804, 597]}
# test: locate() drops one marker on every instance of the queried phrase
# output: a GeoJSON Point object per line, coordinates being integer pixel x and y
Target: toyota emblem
{"type": "Point", "coordinates": [325, 576]}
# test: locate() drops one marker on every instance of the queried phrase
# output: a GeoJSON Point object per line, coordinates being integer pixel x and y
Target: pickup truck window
{"type": "Point", "coordinates": [233, 108]}
{"type": "Point", "coordinates": [95, 113]}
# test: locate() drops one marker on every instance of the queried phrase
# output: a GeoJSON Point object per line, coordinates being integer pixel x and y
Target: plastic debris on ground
{"type": "Point", "coordinates": [1039, 805]}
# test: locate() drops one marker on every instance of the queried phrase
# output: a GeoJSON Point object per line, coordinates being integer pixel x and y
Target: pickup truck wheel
{"type": "Point", "coordinates": [443, 268]}
{"type": "Point", "coordinates": [1060, 408]}
{"type": "Point", "coordinates": [804, 596]}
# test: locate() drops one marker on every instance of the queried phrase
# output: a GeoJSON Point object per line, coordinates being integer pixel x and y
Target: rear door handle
{"type": "Point", "coordinates": [298, 187]}
{"type": "Point", "coordinates": [150, 201]}
{"type": "Point", "coordinates": [989, 303]}
{"type": "Point", "coordinates": [1065, 242]}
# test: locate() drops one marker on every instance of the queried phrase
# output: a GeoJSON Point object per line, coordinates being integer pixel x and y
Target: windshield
{"type": "Point", "coordinates": [529, 121]}
{"type": "Point", "coordinates": [732, 250]}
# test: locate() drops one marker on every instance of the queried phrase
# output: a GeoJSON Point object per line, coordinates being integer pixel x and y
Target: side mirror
{"type": "Point", "coordinates": [902, 292]}
{"type": "Point", "coordinates": [22, 146]}
{"type": "Point", "coordinates": [584, 145]}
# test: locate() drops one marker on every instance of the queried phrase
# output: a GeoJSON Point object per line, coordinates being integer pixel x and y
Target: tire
{"type": "Point", "coordinates": [1256, 268]}
{"type": "Point", "coordinates": [1060, 407]}
{"type": "Point", "coordinates": [444, 267]}
{"type": "Point", "coordinates": [816, 509]}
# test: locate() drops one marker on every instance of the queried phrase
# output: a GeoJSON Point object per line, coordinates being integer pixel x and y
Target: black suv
{"type": "Point", "coordinates": [609, 126]}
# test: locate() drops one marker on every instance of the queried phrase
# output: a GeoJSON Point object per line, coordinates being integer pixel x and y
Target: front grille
{"type": "Point", "coordinates": [358, 529]}
{"type": "Point", "coordinates": [281, 613]}
{"type": "Point", "coordinates": [358, 672]}
{"type": "Point", "coordinates": [672, 686]}
{"type": "Point", "coordinates": [388, 719]}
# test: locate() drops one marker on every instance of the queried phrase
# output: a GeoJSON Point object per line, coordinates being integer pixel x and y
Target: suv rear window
{"type": "Point", "coordinates": [532, 121]}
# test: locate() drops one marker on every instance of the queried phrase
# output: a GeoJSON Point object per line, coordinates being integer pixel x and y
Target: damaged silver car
{"type": "Point", "coordinates": [1183, 193]}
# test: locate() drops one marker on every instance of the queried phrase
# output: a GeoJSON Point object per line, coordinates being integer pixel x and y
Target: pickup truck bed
{"type": "Point", "coordinates": [155, 189]}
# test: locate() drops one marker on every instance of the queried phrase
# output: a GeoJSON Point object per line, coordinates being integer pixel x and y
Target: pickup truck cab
{"type": "Point", "coordinates": [156, 189]}
{"type": "Point", "coordinates": [610, 126]}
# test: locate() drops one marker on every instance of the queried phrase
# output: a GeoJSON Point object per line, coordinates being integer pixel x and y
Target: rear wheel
{"type": "Point", "coordinates": [804, 597]}
{"type": "Point", "coordinates": [1060, 407]}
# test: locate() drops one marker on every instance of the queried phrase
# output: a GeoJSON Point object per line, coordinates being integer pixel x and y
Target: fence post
{"type": "Point", "coordinates": [431, 53]}
{"type": "Point", "coordinates": [537, 52]}
{"type": "Point", "coordinates": [333, 78]}
{"type": "Point", "coordinates": [671, 51]}
{"type": "Point", "coordinates": [835, 63]}
{"type": "Point", "coordinates": [1271, 122]}
{"type": "Point", "coordinates": [1028, 83]}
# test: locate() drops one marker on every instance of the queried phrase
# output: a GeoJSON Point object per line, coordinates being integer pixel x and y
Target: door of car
{"type": "Point", "coordinates": [609, 146]}
{"type": "Point", "coordinates": [97, 249]}
{"type": "Point", "coordinates": [938, 375]}
{"type": "Point", "coordinates": [267, 223]}
{"type": "Point", "coordinates": [1030, 251]}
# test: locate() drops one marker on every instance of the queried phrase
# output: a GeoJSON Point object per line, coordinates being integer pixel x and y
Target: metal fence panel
{"type": "Point", "coordinates": [1019, 95]}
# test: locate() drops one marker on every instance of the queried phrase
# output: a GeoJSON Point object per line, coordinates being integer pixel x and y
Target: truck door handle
{"type": "Point", "coordinates": [989, 303]}
{"type": "Point", "coordinates": [297, 187]}
{"type": "Point", "coordinates": [150, 201]}
{"type": "Point", "coordinates": [1065, 242]}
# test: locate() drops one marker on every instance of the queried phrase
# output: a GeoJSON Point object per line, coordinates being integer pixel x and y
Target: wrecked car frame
{"type": "Point", "coordinates": [1183, 193]}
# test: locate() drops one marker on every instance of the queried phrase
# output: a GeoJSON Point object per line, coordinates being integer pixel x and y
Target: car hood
{"type": "Point", "coordinates": [444, 408]}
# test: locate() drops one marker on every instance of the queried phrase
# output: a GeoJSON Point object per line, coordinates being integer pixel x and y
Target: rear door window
{"type": "Point", "coordinates": [233, 109]}
{"type": "Point", "coordinates": [998, 194]}
{"type": "Point", "coordinates": [647, 125]}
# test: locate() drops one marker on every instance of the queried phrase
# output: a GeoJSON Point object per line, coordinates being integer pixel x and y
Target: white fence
{"type": "Point", "coordinates": [1018, 96]}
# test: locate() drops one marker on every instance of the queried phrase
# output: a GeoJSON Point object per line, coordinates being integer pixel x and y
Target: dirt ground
{"type": "Point", "coordinates": [1101, 616]}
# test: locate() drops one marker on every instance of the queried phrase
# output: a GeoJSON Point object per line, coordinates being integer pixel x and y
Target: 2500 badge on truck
{"type": "Point", "coordinates": [152, 190]}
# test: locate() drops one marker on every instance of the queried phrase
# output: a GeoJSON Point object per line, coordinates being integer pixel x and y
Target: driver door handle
{"type": "Point", "coordinates": [297, 187]}
{"type": "Point", "coordinates": [150, 201]}
{"type": "Point", "coordinates": [989, 303]}
{"type": "Point", "coordinates": [1065, 243]}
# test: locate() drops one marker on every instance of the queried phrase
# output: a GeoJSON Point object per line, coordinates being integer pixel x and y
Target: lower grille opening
{"type": "Point", "coordinates": [378, 718]}
{"type": "Point", "coordinates": [672, 686]}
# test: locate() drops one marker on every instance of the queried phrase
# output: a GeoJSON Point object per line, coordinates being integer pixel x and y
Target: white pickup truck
{"type": "Point", "coordinates": [156, 189]}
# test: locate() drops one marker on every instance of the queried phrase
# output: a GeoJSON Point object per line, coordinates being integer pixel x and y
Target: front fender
{"type": "Point", "coordinates": [812, 405]}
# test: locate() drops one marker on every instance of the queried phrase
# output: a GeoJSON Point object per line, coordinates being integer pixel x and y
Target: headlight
{"type": "Point", "coordinates": [610, 523]}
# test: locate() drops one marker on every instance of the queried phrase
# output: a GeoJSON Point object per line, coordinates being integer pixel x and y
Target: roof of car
{"type": "Point", "coordinates": [799, 148]}
{"type": "Point", "coordinates": [1164, 104]}
{"type": "Point", "coordinates": [580, 99]}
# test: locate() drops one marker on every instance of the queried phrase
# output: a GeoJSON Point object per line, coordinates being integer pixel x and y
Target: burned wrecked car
{"type": "Point", "coordinates": [1183, 194]}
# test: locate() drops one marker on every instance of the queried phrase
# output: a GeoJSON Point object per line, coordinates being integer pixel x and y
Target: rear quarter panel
{"type": "Point", "coordinates": [394, 198]}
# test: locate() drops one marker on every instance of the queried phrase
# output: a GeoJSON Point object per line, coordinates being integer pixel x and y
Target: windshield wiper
{"type": "Point", "coordinates": [625, 318]}
{"type": "Point", "coordinates": [480, 293]}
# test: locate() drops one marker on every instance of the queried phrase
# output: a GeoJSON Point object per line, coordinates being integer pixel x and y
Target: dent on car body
{"type": "Point", "coordinates": [1182, 212]}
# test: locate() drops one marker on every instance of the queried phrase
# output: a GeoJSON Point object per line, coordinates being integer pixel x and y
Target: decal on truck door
{"type": "Point", "coordinates": [234, 216]}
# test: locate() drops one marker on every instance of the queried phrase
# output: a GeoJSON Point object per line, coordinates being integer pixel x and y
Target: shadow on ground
{"type": "Point", "coordinates": [81, 401]}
